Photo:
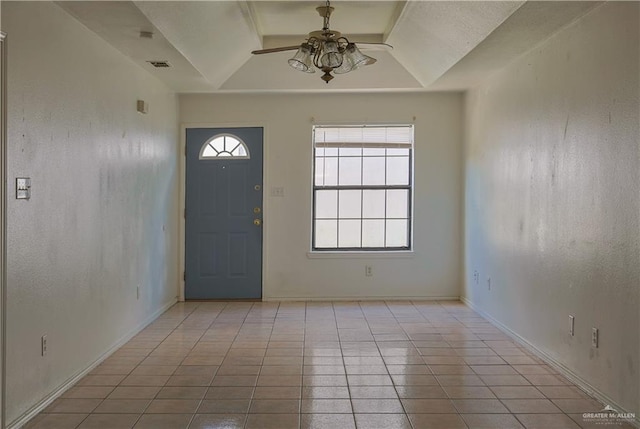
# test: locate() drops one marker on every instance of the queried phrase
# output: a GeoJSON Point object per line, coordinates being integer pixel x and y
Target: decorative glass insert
{"type": "Point", "coordinates": [362, 193]}
{"type": "Point", "coordinates": [224, 146]}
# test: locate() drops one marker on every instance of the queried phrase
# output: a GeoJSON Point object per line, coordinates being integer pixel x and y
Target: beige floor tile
{"type": "Point", "coordinates": [163, 421]}
{"type": "Point", "coordinates": [504, 380]}
{"type": "Point", "coordinates": [320, 365]}
{"type": "Point", "coordinates": [382, 421]}
{"type": "Point", "coordinates": [562, 392]}
{"type": "Point", "coordinates": [173, 406]}
{"type": "Point", "coordinates": [55, 421]}
{"type": "Point", "coordinates": [79, 406]}
{"type": "Point", "coordinates": [530, 406]}
{"type": "Point", "coordinates": [373, 392]}
{"type": "Point", "coordinates": [459, 380]}
{"type": "Point", "coordinates": [122, 406]}
{"type": "Point", "coordinates": [223, 421]}
{"type": "Point", "coordinates": [112, 369]}
{"type": "Point", "coordinates": [326, 406]}
{"type": "Point", "coordinates": [145, 380]}
{"type": "Point", "coordinates": [323, 370]}
{"type": "Point", "coordinates": [376, 406]}
{"type": "Point", "coordinates": [546, 421]}
{"type": "Point", "coordinates": [239, 370]}
{"type": "Point", "coordinates": [101, 380]}
{"type": "Point", "coordinates": [154, 370]}
{"type": "Point", "coordinates": [273, 421]}
{"type": "Point", "coordinates": [134, 392]}
{"type": "Point", "coordinates": [477, 406]}
{"type": "Point", "coordinates": [421, 392]}
{"type": "Point", "coordinates": [430, 406]}
{"type": "Point", "coordinates": [494, 370]}
{"type": "Point", "coordinates": [327, 421]}
{"type": "Point", "coordinates": [89, 392]}
{"type": "Point", "coordinates": [371, 380]}
{"type": "Point", "coordinates": [286, 392]}
{"type": "Point", "coordinates": [325, 380]}
{"type": "Point", "coordinates": [491, 421]}
{"type": "Point", "coordinates": [224, 406]}
{"type": "Point", "coordinates": [189, 380]}
{"type": "Point", "coordinates": [517, 392]}
{"type": "Point", "coordinates": [181, 393]}
{"type": "Point", "coordinates": [230, 392]}
{"type": "Point", "coordinates": [111, 421]}
{"type": "Point", "coordinates": [277, 406]}
{"type": "Point", "coordinates": [576, 406]}
{"type": "Point", "coordinates": [546, 380]}
{"type": "Point", "coordinates": [234, 380]}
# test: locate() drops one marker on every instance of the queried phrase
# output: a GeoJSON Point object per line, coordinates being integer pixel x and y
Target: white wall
{"type": "Point", "coordinates": [434, 268]}
{"type": "Point", "coordinates": [103, 215]}
{"type": "Point", "coordinates": [552, 198]}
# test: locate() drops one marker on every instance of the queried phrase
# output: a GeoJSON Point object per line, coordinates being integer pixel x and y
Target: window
{"type": "Point", "coordinates": [224, 145]}
{"type": "Point", "coordinates": [362, 192]}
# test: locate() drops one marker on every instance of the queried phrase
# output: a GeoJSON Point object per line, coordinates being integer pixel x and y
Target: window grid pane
{"type": "Point", "coordinates": [372, 180]}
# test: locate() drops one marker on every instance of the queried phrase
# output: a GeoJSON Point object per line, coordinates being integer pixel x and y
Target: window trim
{"type": "Point", "coordinates": [206, 144]}
{"type": "Point", "coordinates": [363, 252]}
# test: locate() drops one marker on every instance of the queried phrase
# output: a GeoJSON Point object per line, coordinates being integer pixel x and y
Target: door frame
{"type": "Point", "coordinates": [183, 188]}
{"type": "Point", "coordinates": [3, 220]}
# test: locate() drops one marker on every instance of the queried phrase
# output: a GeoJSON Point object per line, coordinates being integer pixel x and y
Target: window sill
{"type": "Point", "coordinates": [399, 254]}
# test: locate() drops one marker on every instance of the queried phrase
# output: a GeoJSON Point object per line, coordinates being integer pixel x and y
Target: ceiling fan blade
{"type": "Point", "coordinates": [271, 50]}
{"type": "Point", "coordinates": [373, 45]}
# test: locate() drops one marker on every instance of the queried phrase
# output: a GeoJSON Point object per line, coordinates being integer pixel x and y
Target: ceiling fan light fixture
{"type": "Point", "coordinates": [326, 50]}
{"type": "Point", "coordinates": [302, 60]}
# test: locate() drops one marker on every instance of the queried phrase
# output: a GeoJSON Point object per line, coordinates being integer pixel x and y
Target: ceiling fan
{"type": "Point", "coordinates": [326, 50]}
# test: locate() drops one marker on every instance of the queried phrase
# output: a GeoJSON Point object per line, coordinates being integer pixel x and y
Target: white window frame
{"type": "Point", "coordinates": [319, 251]}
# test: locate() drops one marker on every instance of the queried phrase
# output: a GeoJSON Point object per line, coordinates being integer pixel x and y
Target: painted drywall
{"type": "Point", "coordinates": [102, 218]}
{"type": "Point", "coordinates": [432, 270]}
{"type": "Point", "coordinates": [552, 202]}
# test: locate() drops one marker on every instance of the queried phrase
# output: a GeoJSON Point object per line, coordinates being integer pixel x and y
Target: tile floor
{"type": "Point", "coordinates": [320, 365]}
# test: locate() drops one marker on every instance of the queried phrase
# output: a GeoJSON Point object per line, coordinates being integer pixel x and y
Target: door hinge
{"type": "Point", "coordinates": [184, 214]}
{"type": "Point", "coordinates": [185, 150]}
{"type": "Point", "coordinates": [184, 276]}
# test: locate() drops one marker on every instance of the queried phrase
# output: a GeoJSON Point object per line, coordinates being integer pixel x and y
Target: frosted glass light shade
{"type": "Point", "coordinates": [357, 58]}
{"type": "Point", "coordinates": [331, 57]}
{"type": "Point", "coordinates": [302, 59]}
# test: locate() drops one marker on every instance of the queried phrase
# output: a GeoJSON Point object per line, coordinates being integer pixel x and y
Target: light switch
{"type": "Point", "coordinates": [23, 188]}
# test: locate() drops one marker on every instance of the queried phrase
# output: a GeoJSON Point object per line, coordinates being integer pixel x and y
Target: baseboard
{"type": "Point", "coordinates": [40, 406]}
{"type": "Point", "coordinates": [558, 366]}
{"type": "Point", "coordinates": [361, 298]}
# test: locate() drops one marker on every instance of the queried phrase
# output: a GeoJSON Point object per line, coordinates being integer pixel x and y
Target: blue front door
{"type": "Point", "coordinates": [223, 220]}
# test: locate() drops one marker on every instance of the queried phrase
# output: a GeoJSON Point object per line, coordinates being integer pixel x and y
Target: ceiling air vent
{"type": "Point", "coordinates": [160, 64]}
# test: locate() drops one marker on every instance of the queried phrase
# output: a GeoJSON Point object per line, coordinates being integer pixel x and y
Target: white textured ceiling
{"type": "Point", "coordinates": [437, 44]}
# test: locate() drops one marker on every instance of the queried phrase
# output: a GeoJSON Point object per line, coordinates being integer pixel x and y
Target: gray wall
{"type": "Point", "coordinates": [552, 198]}
{"type": "Point", "coordinates": [102, 219]}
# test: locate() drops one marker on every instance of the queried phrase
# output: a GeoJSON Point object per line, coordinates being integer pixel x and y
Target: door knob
{"type": "Point", "coordinates": [257, 222]}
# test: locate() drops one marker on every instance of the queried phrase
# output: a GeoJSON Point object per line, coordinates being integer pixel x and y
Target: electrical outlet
{"type": "Point", "coordinates": [571, 324]}
{"type": "Point", "coordinates": [594, 337]}
{"type": "Point", "coordinates": [489, 283]}
{"type": "Point", "coordinates": [43, 345]}
{"type": "Point", "coordinates": [368, 270]}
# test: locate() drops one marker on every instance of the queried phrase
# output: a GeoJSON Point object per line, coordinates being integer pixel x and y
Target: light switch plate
{"type": "Point", "coordinates": [23, 188]}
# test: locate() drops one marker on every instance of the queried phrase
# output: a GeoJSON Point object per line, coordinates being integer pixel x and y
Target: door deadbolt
{"type": "Point", "coordinates": [257, 187]}
{"type": "Point", "coordinates": [256, 210]}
